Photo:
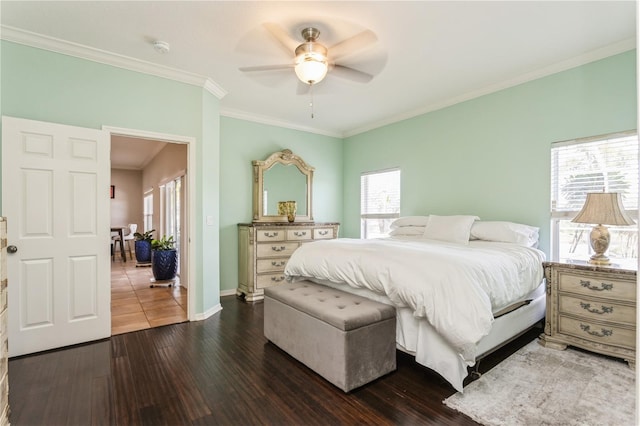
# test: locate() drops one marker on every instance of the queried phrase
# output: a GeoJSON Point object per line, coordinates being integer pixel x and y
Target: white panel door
{"type": "Point", "coordinates": [55, 186]}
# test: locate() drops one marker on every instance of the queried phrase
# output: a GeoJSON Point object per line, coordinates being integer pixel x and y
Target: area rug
{"type": "Point", "coordinates": [542, 386]}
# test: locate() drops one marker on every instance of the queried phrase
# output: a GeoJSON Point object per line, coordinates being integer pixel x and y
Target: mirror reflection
{"type": "Point", "coordinates": [282, 177]}
{"type": "Point", "coordinates": [284, 183]}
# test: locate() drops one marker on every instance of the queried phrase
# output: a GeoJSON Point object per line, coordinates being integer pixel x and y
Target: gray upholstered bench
{"type": "Point", "coordinates": [347, 339]}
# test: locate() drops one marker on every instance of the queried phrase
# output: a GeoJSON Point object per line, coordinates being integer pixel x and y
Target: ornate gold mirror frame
{"type": "Point", "coordinates": [285, 158]}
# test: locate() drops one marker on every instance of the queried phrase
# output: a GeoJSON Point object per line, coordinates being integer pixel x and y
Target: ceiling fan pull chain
{"type": "Point", "coordinates": [311, 98]}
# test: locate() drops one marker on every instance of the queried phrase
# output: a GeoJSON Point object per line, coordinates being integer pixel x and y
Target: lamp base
{"type": "Point", "coordinates": [599, 239]}
{"type": "Point", "coordinates": [599, 260]}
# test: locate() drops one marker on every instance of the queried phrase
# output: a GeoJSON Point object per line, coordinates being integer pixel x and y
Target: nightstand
{"type": "Point", "coordinates": [591, 307]}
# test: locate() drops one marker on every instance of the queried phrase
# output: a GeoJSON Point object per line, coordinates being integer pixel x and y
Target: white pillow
{"type": "Point", "coordinates": [454, 229]}
{"type": "Point", "coordinates": [407, 230]}
{"type": "Point", "coordinates": [506, 232]}
{"type": "Point", "coordinates": [410, 221]}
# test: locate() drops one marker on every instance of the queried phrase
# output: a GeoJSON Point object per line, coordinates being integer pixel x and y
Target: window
{"type": "Point", "coordinates": [607, 163]}
{"type": "Point", "coordinates": [379, 202]}
{"type": "Point", "coordinates": [148, 211]}
{"type": "Point", "coordinates": [171, 198]}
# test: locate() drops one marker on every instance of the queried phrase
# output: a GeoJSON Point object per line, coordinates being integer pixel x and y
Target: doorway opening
{"type": "Point", "coordinates": [151, 189]}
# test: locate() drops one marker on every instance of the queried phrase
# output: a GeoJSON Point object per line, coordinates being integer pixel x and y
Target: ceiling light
{"type": "Point", "coordinates": [311, 58]}
{"type": "Point", "coordinates": [161, 46]}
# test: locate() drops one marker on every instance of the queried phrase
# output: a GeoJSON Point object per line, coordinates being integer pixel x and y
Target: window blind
{"type": "Point", "coordinates": [379, 202]}
{"type": "Point", "coordinates": [592, 165]}
{"type": "Point", "coordinates": [380, 193]}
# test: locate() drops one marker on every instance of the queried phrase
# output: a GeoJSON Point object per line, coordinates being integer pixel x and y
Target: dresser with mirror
{"type": "Point", "coordinates": [265, 245]}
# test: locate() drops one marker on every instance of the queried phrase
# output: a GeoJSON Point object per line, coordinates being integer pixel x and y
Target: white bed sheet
{"type": "Point", "coordinates": [456, 288]}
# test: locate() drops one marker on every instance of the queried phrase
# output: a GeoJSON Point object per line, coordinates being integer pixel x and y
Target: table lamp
{"type": "Point", "coordinates": [602, 208]}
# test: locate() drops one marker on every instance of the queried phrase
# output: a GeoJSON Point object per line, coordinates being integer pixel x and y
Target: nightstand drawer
{"type": "Point", "coordinates": [270, 265]}
{"type": "Point", "coordinates": [299, 234]}
{"type": "Point", "coordinates": [604, 334]}
{"type": "Point", "coordinates": [270, 235]}
{"type": "Point", "coordinates": [323, 234]}
{"type": "Point", "coordinates": [269, 280]}
{"type": "Point", "coordinates": [601, 310]}
{"type": "Point", "coordinates": [276, 249]}
{"type": "Point", "coordinates": [597, 286]}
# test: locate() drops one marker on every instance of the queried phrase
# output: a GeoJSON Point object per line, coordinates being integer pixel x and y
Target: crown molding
{"type": "Point", "coordinates": [214, 88]}
{"type": "Point", "coordinates": [242, 115]}
{"type": "Point", "coordinates": [28, 38]}
{"type": "Point", "coordinates": [40, 41]}
{"type": "Point", "coordinates": [592, 56]}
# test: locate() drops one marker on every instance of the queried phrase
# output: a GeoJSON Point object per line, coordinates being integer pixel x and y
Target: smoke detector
{"type": "Point", "coordinates": [161, 46]}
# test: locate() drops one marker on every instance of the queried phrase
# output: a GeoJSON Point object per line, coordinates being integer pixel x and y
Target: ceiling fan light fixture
{"type": "Point", "coordinates": [311, 58]}
{"type": "Point", "coordinates": [311, 68]}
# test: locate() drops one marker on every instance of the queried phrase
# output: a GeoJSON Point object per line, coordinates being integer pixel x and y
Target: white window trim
{"type": "Point", "coordinates": [557, 216]}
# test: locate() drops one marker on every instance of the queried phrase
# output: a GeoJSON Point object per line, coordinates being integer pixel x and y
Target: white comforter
{"type": "Point", "coordinates": [456, 288]}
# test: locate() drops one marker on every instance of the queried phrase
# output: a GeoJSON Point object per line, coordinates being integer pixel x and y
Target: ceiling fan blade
{"type": "Point", "coordinates": [266, 67]}
{"type": "Point", "coordinates": [286, 42]}
{"type": "Point", "coordinates": [351, 73]}
{"type": "Point", "coordinates": [352, 44]}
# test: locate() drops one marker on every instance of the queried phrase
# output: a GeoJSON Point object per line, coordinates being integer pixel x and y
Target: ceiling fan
{"type": "Point", "coordinates": [312, 60]}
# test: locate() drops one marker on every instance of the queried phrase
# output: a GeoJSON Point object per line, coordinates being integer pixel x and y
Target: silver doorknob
{"type": "Point", "coordinates": [12, 249]}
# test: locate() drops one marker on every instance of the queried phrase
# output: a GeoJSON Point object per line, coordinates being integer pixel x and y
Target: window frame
{"type": "Point", "coordinates": [556, 216]}
{"type": "Point", "coordinates": [368, 216]}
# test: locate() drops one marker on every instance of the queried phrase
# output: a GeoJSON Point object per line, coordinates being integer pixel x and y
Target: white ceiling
{"type": "Point", "coordinates": [133, 153]}
{"type": "Point", "coordinates": [428, 54]}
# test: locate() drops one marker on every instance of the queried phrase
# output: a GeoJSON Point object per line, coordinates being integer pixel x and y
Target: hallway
{"type": "Point", "coordinates": [136, 306]}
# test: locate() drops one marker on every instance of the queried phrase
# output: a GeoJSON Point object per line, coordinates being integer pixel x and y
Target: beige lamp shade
{"type": "Point", "coordinates": [602, 208]}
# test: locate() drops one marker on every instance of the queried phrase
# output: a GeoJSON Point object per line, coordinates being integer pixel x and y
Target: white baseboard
{"type": "Point", "coordinates": [228, 292]}
{"type": "Point", "coordinates": [214, 310]}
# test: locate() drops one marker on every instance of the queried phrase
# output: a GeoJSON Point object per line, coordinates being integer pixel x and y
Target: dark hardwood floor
{"type": "Point", "coordinates": [216, 372]}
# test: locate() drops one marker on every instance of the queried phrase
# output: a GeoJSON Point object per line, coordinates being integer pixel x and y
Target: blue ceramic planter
{"type": "Point", "coordinates": [164, 264]}
{"type": "Point", "coordinates": [143, 251]}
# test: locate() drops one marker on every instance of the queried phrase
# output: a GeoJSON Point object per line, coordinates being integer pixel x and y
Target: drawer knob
{"type": "Point", "coordinates": [603, 333]}
{"type": "Point", "coordinates": [299, 233]}
{"type": "Point", "coordinates": [276, 248]}
{"type": "Point", "coordinates": [277, 279]}
{"type": "Point", "coordinates": [281, 263]}
{"type": "Point", "coordinates": [605, 309]}
{"type": "Point", "coordinates": [270, 234]}
{"type": "Point", "coordinates": [603, 286]}
{"type": "Point", "coordinates": [323, 232]}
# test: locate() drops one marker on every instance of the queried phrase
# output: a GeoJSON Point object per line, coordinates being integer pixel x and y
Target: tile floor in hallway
{"type": "Point", "coordinates": [136, 306]}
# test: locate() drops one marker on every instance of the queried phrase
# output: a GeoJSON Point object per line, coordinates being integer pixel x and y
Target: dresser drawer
{"type": "Point", "coordinates": [604, 334]}
{"type": "Point", "coordinates": [323, 234]}
{"type": "Point", "coordinates": [271, 265]}
{"type": "Point", "coordinates": [602, 310]}
{"type": "Point", "coordinates": [597, 286]}
{"type": "Point", "coordinates": [270, 235]}
{"type": "Point", "coordinates": [276, 249]}
{"type": "Point", "coordinates": [299, 234]}
{"type": "Point", "coordinates": [268, 280]}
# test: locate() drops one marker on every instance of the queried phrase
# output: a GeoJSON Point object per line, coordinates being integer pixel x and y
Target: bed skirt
{"type": "Point", "coordinates": [417, 337]}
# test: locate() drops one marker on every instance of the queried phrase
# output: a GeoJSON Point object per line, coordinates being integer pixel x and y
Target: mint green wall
{"type": "Point", "coordinates": [490, 156]}
{"type": "Point", "coordinates": [208, 247]}
{"type": "Point", "coordinates": [46, 86]}
{"type": "Point", "coordinates": [241, 142]}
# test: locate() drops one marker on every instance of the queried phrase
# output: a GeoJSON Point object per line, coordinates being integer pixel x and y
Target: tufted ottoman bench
{"type": "Point", "coordinates": [347, 339]}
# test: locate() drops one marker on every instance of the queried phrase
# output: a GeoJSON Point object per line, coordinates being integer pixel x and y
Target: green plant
{"type": "Point", "coordinates": [164, 243]}
{"type": "Point", "coordinates": [146, 236]}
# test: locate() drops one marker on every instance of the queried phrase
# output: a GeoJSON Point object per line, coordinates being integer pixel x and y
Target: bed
{"type": "Point", "coordinates": [456, 298]}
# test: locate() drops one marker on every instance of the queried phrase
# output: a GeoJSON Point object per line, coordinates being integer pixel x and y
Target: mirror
{"type": "Point", "coordinates": [283, 176]}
